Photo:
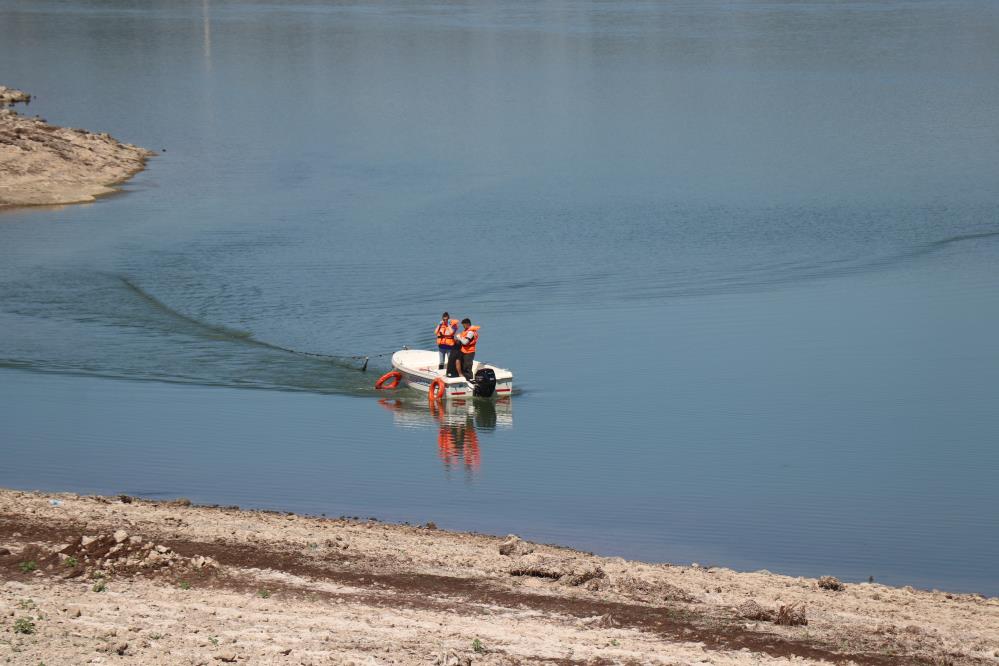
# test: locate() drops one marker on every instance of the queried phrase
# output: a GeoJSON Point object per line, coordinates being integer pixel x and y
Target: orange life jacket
{"type": "Point", "coordinates": [445, 333]}
{"type": "Point", "coordinates": [469, 347]}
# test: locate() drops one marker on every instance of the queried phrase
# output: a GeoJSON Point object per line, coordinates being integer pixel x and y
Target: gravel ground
{"type": "Point", "coordinates": [122, 580]}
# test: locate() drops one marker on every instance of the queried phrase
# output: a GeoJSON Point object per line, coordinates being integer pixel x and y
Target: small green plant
{"type": "Point", "coordinates": [100, 586]}
{"type": "Point", "coordinates": [24, 625]}
{"type": "Point", "coordinates": [26, 604]}
{"type": "Point", "coordinates": [264, 594]}
{"type": "Point", "coordinates": [29, 566]}
{"type": "Point", "coordinates": [478, 647]}
{"type": "Point", "coordinates": [184, 585]}
{"type": "Point", "coordinates": [214, 640]}
{"type": "Point", "coordinates": [155, 636]}
{"type": "Point", "coordinates": [614, 642]}
{"type": "Point", "coordinates": [71, 562]}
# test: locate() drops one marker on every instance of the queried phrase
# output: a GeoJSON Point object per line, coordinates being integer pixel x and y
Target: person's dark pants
{"type": "Point", "coordinates": [466, 365]}
{"type": "Point", "coordinates": [452, 360]}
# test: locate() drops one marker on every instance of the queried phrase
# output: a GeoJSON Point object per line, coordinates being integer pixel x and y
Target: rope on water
{"type": "Point", "coordinates": [335, 357]}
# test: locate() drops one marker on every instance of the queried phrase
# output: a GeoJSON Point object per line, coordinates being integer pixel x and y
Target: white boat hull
{"type": "Point", "coordinates": [419, 369]}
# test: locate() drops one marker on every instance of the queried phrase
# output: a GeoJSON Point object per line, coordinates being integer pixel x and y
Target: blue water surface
{"type": "Point", "coordinates": [741, 256]}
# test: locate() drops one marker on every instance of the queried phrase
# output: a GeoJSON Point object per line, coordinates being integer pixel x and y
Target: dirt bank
{"type": "Point", "coordinates": [121, 580]}
{"type": "Point", "coordinates": [41, 164]}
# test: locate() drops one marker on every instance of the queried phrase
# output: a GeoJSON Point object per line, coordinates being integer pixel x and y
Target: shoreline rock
{"type": "Point", "coordinates": [9, 96]}
{"type": "Point", "coordinates": [43, 164]}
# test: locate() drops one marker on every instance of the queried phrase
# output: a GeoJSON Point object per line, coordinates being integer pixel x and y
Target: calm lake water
{"type": "Point", "coordinates": [743, 258]}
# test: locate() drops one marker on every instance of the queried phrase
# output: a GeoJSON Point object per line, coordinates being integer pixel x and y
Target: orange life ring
{"type": "Point", "coordinates": [437, 390]}
{"type": "Point", "coordinates": [382, 383]}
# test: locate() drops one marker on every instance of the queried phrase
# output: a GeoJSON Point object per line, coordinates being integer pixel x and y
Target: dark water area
{"type": "Point", "coordinates": [742, 257]}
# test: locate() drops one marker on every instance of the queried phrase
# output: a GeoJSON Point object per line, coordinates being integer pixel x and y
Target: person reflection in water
{"type": "Point", "coordinates": [457, 441]}
{"type": "Point", "coordinates": [457, 423]}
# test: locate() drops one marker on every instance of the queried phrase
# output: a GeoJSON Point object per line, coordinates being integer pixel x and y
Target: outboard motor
{"type": "Point", "coordinates": [485, 383]}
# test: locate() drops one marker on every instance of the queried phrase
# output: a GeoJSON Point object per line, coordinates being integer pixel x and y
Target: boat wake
{"type": "Point", "coordinates": [350, 361]}
{"type": "Point", "coordinates": [776, 275]}
{"type": "Point", "coordinates": [107, 324]}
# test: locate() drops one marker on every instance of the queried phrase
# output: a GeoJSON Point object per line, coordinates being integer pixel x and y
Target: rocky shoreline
{"type": "Point", "coordinates": [41, 164]}
{"type": "Point", "coordinates": [124, 580]}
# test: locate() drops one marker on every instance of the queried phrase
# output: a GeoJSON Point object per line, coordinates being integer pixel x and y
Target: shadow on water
{"type": "Point", "coordinates": [458, 423]}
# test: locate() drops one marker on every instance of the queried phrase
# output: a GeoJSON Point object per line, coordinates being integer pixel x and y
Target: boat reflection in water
{"type": "Point", "coordinates": [458, 423]}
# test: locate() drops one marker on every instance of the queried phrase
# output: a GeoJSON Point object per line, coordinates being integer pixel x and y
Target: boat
{"type": "Point", "coordinates": [417, 369]}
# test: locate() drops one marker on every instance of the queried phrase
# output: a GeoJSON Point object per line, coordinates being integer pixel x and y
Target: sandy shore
{"type": "Point", "coordinates": [122, 580]}
{"type": "Point", "coordinates": [41, 164]}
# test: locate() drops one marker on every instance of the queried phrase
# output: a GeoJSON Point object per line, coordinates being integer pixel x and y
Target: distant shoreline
{"type": "Point", "coordinates": [157, 581]}
{"type": "Point", "coordinates": [46, 165]}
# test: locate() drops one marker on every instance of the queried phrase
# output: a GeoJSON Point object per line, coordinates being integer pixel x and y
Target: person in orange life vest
{"type": "Point", "coordinates": [445, 338]}
{"type": "Point", "coordinates": [466, 340]}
